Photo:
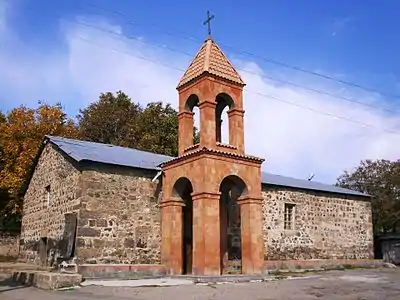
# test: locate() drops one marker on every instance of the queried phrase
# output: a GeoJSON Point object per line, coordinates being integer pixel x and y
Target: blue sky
{"type": "Point", "coordinates": [351, 36]}
{"type": "Point", "coordinates": [46, 53]}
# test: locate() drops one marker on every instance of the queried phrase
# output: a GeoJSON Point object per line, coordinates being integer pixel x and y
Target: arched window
{"type": "Point", "coordinates": [192, 105]}
{"type": "Point", "coordinates": [224, 103]}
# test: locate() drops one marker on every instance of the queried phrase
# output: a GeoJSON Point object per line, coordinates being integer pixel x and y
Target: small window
{"type": "Point", "coordinates": [289, 216]}
{"type": "Point", "coordinates": [48, 195]}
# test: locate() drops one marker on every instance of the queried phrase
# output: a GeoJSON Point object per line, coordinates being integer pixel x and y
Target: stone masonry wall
{"type": "Point", "coordinates": [326, 226]}
{"type": "Point", "coordinates": [42, 220]}
{"type": "Point", "coordinates": [120, 217]}
{"type": "Point", "coordinates": [9, 246]}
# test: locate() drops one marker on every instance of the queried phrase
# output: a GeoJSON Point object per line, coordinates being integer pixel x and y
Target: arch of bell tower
{"type": "Point", "coordinates": [211, 83]}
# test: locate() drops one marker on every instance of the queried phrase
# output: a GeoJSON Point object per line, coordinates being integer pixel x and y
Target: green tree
{"type": "Point", "coordinates": [381, 180]}
{"type": "Point", "coordinates": [115, 119]}
{"type": "Point", "coordinates": [158, 129]}
{"type": "Point", "coordinates": [21, 133]}
{"type": "Point", "coordinates": [110, 119]}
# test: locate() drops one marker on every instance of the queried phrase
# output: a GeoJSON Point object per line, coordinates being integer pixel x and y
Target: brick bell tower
{"type": "Point", "coordinates": [206, 178]}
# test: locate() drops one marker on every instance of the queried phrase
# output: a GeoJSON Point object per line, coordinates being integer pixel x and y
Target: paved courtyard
{"type": "Point", "coordinates": [381, 284]}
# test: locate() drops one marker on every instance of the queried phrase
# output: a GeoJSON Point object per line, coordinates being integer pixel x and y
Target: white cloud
{"type": "Point", "coordinates": [29, 73]}
{"type": "Point", "coordinates": [294, 141]}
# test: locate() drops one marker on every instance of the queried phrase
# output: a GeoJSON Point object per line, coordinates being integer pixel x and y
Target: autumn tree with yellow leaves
{"type": "Point", "coordinates": [21, 132]}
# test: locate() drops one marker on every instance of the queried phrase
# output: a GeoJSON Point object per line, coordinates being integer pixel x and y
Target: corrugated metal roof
{"type": "Point", "coordinates": [109, 154]}
{"type": "Point", "coordinates": [268, 178]}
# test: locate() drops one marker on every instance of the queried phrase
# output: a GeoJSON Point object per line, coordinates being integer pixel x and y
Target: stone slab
{"type": "Point", "coordinates": [46, 280]}
{"type": "Point", "coordinates": [273, 266]}
{"type": "Point", "coordinates": [121, 271]}
{"type": "Point", "coordinates": [139, 282]}
{"type": "Point", "coordinates": [223, 278]}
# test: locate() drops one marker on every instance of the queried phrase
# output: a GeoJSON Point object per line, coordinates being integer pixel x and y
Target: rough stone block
{"type": "Point", "coordinates": [47, 280]}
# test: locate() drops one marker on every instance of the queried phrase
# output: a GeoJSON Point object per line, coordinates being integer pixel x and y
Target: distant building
{"type": "Point", "coordinates": [209, 211]}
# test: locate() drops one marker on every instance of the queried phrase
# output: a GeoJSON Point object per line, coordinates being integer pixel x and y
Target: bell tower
{"type": "Point", "coordinates": [211, 206]}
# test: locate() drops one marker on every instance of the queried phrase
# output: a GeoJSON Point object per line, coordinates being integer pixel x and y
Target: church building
{"type": "Point", "coordinates": [209, 211]}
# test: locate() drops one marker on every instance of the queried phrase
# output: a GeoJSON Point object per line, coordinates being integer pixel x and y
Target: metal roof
{"type": "Point", "coordinates": [110, 154]}
{"type": "Point", "coordinates": [268, 178]}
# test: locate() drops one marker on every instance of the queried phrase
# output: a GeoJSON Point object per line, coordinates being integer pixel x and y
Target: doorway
{"type": "Point", "coordinates": [183, 189]}
{"type": "Point", "coordinates": [231, 188]}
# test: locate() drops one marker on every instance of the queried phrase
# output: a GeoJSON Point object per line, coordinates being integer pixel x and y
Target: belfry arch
{"type": "Point", "coordinates": [223, 101]}
{"type": "Point", "coordinates": [186, 122]}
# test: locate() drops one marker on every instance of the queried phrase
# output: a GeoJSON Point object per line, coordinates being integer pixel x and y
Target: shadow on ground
{"type": "Point", "coordinates": [8, 284]}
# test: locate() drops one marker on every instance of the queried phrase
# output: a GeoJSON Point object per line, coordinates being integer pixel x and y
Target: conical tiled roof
{"type": "Point", "coordinates": [212, 60]}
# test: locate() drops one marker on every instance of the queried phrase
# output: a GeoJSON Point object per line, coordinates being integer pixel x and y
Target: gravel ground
{"type": "Point", "coordinates": [382, 284]}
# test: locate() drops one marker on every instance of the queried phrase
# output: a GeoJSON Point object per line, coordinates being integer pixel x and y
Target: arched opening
{"type": "Point", "coordinates": [231, 188]}
{"type": "Point", "coordinates": [224, 103]}
{"type": "Point", "coordinates": [192, 105]}
{"type": "Point", "coordinates": [183, 189]}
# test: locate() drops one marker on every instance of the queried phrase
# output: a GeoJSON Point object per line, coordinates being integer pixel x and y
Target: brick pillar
{"type": "Point", "coordinates": [207, 124]}
{"type": "Point", "coordinates": [236, 128]}
{"type": "Point", "coordinates": [185, 132]}
{"type": "Point", "coordinates": [206, 234]}
{"type": "Point", "coordinates": [171, 244]}
{"type": "Point", "coordinates": [252, 235]}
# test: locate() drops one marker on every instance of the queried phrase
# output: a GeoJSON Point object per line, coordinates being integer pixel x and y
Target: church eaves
{"type": "Point", "coordinates": [210, 59]}
{"type": "Point", "coordinates": [81, 151]}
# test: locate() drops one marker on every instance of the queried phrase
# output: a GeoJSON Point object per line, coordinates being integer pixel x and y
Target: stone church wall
{"type": "Point", "coordinates": [43, 230]}
{"type": "Point", "coordinates": [120, 217]}
{"type": "Point", "coordinates": [326, 226]}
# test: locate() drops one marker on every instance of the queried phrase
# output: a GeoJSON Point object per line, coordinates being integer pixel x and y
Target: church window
{"type": "Point", "coordinates": [289, 216]}
{"type": "Point", "coordinates": [48, 195]}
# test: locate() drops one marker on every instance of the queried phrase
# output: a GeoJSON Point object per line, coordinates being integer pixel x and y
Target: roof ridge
{"type": "Point", "coordinates": [101, 144]}
{"type": "Point", "coordinates": [206, 66]}
{"type": "Point", "coordinates": [227, 60]}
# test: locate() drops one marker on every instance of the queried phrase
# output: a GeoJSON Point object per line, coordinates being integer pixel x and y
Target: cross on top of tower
{"type": "Point", "coordinates": [208, 22]}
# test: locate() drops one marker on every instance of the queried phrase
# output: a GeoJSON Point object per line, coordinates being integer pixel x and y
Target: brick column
{"type": "Point", "coordinates": [252, 235]}
{"type": "Point", "coordinates": [236, 128]}
{"type": "Point", "coordinates": [207, 124]}
{"type": "Point", "coordinates": [206, 234]}
{"type": "Point", "coordinates": [185, 132]}
{"type": "Point", "coordinates": [172, 230]}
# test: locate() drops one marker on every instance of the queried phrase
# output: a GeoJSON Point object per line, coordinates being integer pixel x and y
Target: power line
{"type": "Point", "coordinates": [243, 70]}
{"type": "Point", "coordinates": [324, 113]}
{"type": "Point", "coordinates": [254, 92]}
{"type": "Point", "coordinates": [243, 52]}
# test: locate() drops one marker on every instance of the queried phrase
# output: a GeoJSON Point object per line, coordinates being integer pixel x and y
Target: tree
{"type": "Point", "coordinates": [109, 120]}
{"type": "Point", "coordinates": [158, 129]}
{"type": "Point", "coordinates": [21, 134]}
{"type": "Point", "coordinates": [380, 179]}
{"type": "Point", "coordinates": [115, 119]}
